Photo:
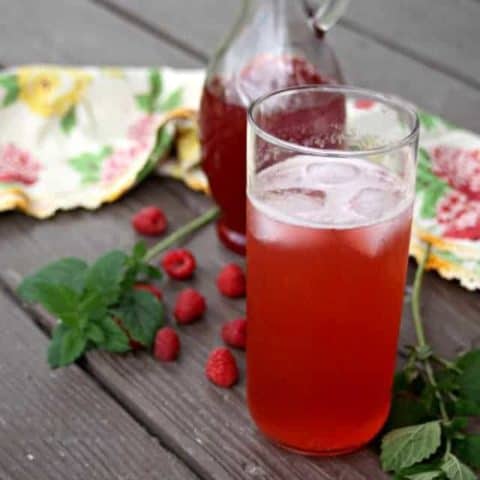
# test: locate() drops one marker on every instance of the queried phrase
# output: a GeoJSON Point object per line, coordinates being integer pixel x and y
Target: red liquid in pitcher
{"type": "Point", "coordinates": [327, 256]}
{"type": "Point", "coordinates": [223, 128]}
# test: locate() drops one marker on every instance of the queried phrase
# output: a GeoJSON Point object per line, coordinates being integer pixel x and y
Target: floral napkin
{"type": "Point", "coordinates": [447, 207]}
{"type": "Point", "coordinates": [82, 137]}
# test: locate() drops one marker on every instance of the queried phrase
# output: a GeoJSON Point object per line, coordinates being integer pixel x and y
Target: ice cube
{"type": "Point", "coordinates": [371, 203]}
{"type": "Point", "coordinates": [332, 173]}
{"type": "Point", "coordinates": [295, 201]}
{"type": "Point", "coordinates": [369, 240]}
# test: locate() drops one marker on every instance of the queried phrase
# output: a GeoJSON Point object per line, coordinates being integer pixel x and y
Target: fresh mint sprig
{"type": "Point", "coordinates": [426, 435]}
{"type": "Point", "coordinates": [97, 305]}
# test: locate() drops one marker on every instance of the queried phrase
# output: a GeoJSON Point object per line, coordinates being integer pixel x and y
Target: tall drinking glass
{"type": "Point", "coordinates": [330, 187]}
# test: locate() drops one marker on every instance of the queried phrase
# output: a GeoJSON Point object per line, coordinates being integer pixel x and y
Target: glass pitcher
{"type": "Point", "coordinates": [274, 44]}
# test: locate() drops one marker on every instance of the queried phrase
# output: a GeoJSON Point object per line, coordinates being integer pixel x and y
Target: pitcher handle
{"type": "Point", "coordinates": [325, 13]}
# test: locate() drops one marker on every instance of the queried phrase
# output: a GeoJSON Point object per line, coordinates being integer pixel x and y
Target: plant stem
{"type": "Point", "coordinates": [417, 286]}
{"type": "Point", "coordinates": [182, 232]}
{"type": "Point", "coordinates": [420, 332]}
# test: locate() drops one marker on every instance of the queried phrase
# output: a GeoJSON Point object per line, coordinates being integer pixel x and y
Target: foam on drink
{"type": "Point", "coordinates": [329, 193]}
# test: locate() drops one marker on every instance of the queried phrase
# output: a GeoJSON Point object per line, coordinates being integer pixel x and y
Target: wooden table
{"type": "Point", "coordinates": [130, 417]}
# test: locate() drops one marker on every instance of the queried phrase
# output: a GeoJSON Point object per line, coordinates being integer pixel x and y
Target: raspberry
{"type": "Point", "coordinates": [150, 221]}
{"type": "Point", "coordinates": [221, 368]}
{"type": "Point", "coordinates": [234, 333]}
{"type": "Point", "coordinates": [167, 345]}
{"type": "Point", "coordinates": [179, 264]}
{"type": "Point", "coordinates": [190, 306]}
{"type": "Point", "coordinates": [146, 287]}
{"type": "Point", "coordinates": [231, 281]}
{"type": "Point", "coordinates": [134, 344]}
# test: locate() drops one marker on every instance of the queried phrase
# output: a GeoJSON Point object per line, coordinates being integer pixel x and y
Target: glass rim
{"type": "Point", "coordinates": [385, 98]}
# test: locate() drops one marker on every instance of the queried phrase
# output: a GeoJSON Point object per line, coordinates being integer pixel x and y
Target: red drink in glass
{"type": "Point", "coordinates": [325, 303]}
{"type": "Point", "coordinates": [329, 209]}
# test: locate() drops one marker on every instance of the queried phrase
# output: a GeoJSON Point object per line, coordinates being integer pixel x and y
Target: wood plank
{"type": "Point", "coordinates": [77, 32]}
{"type": "Point", "coordinates": [207, 427]}
{"type": "Point", "coordinates": [218, 440]}
{"type": "Point", "coordinates": [367, 62]}
{"type": "Point", "coordinates": [442, 33]}
{"type": "Point", "coordinates": [60, 424]}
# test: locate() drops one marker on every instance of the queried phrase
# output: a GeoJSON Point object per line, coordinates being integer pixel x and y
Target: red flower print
{"type": "Point", "coordinates": [364, 104]}
{"type": "Point", "coordinates": [115, 165]}
{"type": "Point", "coordinates": [142, 130]}
{"type": "Point", "coordinates": [17, 165]}
{"type": "Point", "coordinates": [118, 163]}
{"type": "Point", "coordinates": [459, 215]}
{"type": "Point", "coordinates": [460, 168]}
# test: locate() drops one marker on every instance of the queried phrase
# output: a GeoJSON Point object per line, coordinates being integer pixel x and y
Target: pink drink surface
{"type": "Point", "coordinates": [327, 255]}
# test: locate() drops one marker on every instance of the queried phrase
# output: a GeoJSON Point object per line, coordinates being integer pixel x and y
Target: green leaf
{"type": "Point", "coordinates": [8, 81]}
{"type": "Point", "coordinates": [12, 90]}
{"type": "Point", "coordinates": [466, 408]}
{"type": "Point", "coordinates": [468, 450]}
{"type": "Point", "coordinates": [69, 120]}
{"type": "Point", "coordinates": [430, 198]}
{"type": "Point", "coordinates": [427, 121]}
{"type": "Point", "coordinates": [458, 423]}
{"type": "Point", "coordinates": [425, 475]}
{"type": "Point", "coordinates": [139, 250]}
{"type": "Point", "coordinates": [173, 100]}
{"type": "Point", "coordinates": [89, 165]}
{"type": "Point", "coordinates": [61, 301]}
{"type": "Point", "coordinates": [105, 276]}
{"type": "Point", "coordinates": [162, 145]}
{"type": "Point", "coordinates": [407, 409]}
{"type": "Point", "coordinates": [469, 378]}
{"type": "Point", "coordinates": [454, 469]}
{"type": "Point", "coordinates": [433, 188]}
{"type": "Point", "coordinates": [406, 446]}
{"type": "Point", "coordinates": [156, 84]}
{"type": "Point", "coordinates": [95, 334]}
{"type": "Point", "coordinates": [115, 339]}
{"type": "Point", "coordinates": [150, 272]}
{"type": "Point", "coordinates": [68, 272]}
{"type": "Point", "coordinates": [144, 102]}
{"type": "Point", "coordinates": [141, 314]}
{"type": "Point", "coordinates": [92, 306]}
{"type": "Point", "coordinates": [66, 346]}
{"type": "Point", "coordinates": [147, 101]}
{"type": "Point", "coordinates": [11, 96]}
{"type": "Point", "coordinates": [420, 468]}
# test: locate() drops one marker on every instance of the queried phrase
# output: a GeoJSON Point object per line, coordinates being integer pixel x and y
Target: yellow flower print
{"type": "Point", "coordinates": [113, 72]}
{"type": "Point", "coordinates": [51, 91]}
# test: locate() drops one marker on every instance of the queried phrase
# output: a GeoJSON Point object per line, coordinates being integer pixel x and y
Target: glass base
{"type": "Point", "coordinates": [319, 453]}
{"type": "Point", "coordinates": [233, 240]}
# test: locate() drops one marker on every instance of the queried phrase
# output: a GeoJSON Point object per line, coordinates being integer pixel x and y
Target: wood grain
{"type": "Point", "coordinates": [440, 33]}
{"type": "Point", "coordinates": [367, 61]}
{"type": "Point", "coordinates": [76, 32]}
{"type": "Point", "coordinates": [207, 427]}
{"type": "Point", "coordinates": [60, 424]}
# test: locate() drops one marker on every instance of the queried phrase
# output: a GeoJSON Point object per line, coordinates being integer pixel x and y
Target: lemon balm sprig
{"type": "Point", "coordinates": [426, 435]}
{"type": "Point", "coordinates": [97, 305]}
